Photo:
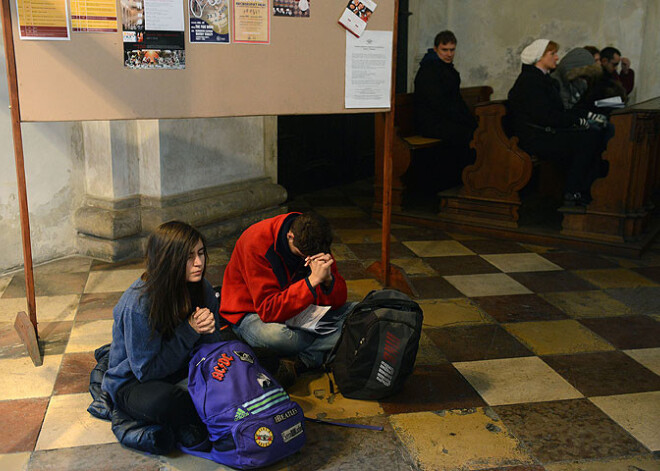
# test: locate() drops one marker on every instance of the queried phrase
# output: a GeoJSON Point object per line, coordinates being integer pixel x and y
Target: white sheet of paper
{"type": "Point", "coordinates": [612, 102]}
{"type": "Point", "coordinates": [368, 70]}
{"type": "Point", "coordinates": [163, 15]}
{"type": "Point", "coordinates": [309, 318]}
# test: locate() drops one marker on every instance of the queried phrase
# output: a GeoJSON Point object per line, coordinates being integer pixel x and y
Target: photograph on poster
{"type": "Point", "coordinates": [209, 21]}
{"type": "Point", "coordinates": [153, 34]}
{"type": "Point", "coordinates": [292, 8]}
{"type": "Point", "coordinates": [356, 15]}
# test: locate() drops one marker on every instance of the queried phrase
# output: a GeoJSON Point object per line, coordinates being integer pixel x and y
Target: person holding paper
{"type": "Point", "coordinates": [573, 138]}
{"type": "Point", "coordinates": [280, 267]}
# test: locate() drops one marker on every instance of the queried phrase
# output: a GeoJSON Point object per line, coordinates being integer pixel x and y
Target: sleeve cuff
{"type": "Point", "coordinates": [328, 290]}
{"type": "Point", "coordinates": [311, 288]}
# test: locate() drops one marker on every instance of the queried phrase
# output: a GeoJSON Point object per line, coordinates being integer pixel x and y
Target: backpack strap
{"type": "Point", "coordinates": [378, 428]}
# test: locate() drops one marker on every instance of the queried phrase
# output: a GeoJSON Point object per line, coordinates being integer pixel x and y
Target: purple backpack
{"type": "Point", "coordinates": [238, 399]}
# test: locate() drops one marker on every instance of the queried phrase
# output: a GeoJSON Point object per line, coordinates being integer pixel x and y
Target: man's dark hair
{"type": "Point", "coordinates": [593, 50]}
{"type": "Point", "coordinates": [312, 234]}
{"type": "Point", "coordinates": [609, 52]}
{"type": "Point", "coordinates": [444, 37]}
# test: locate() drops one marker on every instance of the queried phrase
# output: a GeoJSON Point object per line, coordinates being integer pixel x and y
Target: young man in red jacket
{"type": "Point", "coordinates": [279, 267]}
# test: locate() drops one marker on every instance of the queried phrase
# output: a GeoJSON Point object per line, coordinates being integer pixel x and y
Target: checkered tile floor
{"type": "Point", "coordinates": [532, 358]}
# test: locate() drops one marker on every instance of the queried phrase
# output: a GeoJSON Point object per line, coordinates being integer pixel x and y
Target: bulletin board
{"type": "Point", "coordinates": [301, 71]}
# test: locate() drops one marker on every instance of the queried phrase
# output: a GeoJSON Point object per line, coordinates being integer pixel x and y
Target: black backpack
{"type": "Point", "coordinates": [378, 345]}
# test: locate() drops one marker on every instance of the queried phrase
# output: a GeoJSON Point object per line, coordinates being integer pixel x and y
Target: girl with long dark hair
{"type": "Point", "coordinates": [157, 322]}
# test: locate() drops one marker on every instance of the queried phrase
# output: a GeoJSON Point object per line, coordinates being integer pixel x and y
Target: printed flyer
{"type": "Point", "coordinates": [251, 21]}
{"type": "Point", "coordinates": [368, 70]}
{"type": "Point", "coordinates": [292, 8]}
{"type": "Point", "coordinates": [94, 16]}
{"type": "Point", "coordinates": [209, 21]}
{"type": "Point", "coordinates": [153, 32]}
{"type": "Point", "coordinates": [356, 15]}
{"type": "Point", "coordinates": [43, 19]}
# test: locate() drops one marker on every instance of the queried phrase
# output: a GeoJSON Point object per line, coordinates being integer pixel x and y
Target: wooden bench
{"type": "Point", "coordinates": [406, 141]}
{"type": "Point", "coordinates": [490, 191]}
{"type": "Point", "coordinates": [491, 186]}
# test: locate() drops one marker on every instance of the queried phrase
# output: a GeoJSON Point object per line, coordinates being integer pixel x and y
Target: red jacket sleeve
{"type": "Point", "coordinates": [272, 303]}
{"type": "Point", "coordinates": [337, 295]}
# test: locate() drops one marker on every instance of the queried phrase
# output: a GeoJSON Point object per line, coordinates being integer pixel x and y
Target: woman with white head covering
{"type": "Point", "coordinates": [549, 131]}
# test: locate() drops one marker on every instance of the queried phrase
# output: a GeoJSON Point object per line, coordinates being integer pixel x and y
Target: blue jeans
{"type": "Point", "coordinates": [284, 341]}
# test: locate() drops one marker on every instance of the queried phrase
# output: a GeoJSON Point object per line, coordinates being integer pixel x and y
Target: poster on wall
{"type": "Point", "coordinates": [356, 15]}
{"type": "Point", "coordinates": [368, 70]}
{"type": "Point", "coordinates": [153, 32]}
{"type": "Point", "coordinates": [94, 16]}
{"type": "Point", "coordinates": [251, 21]}
{"type": "Point", "coordinates": [209, 21]}
{"type": "Point", "coordinates": [292, 8]}
{"type": "Point", "coordinates": [43, 19]}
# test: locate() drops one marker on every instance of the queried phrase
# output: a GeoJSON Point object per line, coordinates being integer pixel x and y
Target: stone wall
{"type": "Point", "coordinates": [492, 33]}
{"type": "Point", "coordinates": [98, 187]}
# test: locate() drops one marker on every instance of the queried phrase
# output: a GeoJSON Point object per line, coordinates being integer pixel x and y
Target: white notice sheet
{"type": "Point", "coordinates": [368, 70]}
{"type": "Point", "coordinates": [163, 15]}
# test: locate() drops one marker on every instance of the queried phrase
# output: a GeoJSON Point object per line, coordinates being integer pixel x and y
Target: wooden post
{"type": "Point", "coordinates": [390, 275]}
{"type": "Point", "coordinates": [25, 326]}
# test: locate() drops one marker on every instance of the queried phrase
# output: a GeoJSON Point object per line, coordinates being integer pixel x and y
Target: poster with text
{"type": "Point", "coordinates": [251, 21]}
{"type": "Point", "coordinates": [153, 33]}
{"type": "Point", "coordinates": [292, 8]}
{"type": "Point", "coordinates": [43, 19]}
{"type": "Point", "coordinates": [98, 16]}
{"type": "Point", "coordinates": [209, 21]}
{"type": "Point", "coordinates": [368, 70]}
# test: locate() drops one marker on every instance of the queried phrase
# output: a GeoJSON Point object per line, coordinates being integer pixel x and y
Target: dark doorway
{"type": "Point", "coordinates": [320, 151]}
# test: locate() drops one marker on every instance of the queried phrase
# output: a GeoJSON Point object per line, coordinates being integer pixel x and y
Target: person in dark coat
{"type": "Point", "coordinates": [441, 112]}
{"type": "Point", "coordinates": [549, 131]}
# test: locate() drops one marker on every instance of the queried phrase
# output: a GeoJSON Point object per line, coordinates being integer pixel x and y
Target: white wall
{"type": "Point", "coordinates": [492, 33]}
{"type": "Point", "coordinates": [53, 157]}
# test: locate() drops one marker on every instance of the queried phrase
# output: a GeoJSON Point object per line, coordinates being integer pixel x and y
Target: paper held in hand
{"type": "Point", "coordinates": [612, 102]}
{"type": "Point", "coordinates": [314, 319]}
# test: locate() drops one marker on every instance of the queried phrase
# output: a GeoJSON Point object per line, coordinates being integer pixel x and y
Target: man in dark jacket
{"type": "Point", "coordinates": [546, 129]}
{"type": "Point", "coordinates": [440, 111]}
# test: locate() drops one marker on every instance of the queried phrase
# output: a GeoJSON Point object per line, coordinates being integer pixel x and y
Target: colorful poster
{"type": "Point", "coordinates": [94, 15]}
{"type": "Point", "coordinates": [209, 21]}
{"type": "Point", "coordinates": [153, 32]}
{"type": "Point", "coordinates": [251, 21]}
{"type": "Point", "coordinates": [291, 8]}
{"type": "Point", "coordinates": [43, 19]}
{"type": "Point", "coordinates": [356, 15]}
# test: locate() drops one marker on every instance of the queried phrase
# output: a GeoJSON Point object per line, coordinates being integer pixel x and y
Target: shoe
{"type": "Point", "coordinates": [575, 199]}
{"type": "Point", "coordinates": [300, 367]}
{"type": "Point", "coordinates": [194, 436]}
{"type": "Point", "coordinates": [286, 374]}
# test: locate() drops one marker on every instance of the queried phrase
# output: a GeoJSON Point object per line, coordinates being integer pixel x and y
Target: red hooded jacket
{"type": "Point", "coordinates": [257, 279]}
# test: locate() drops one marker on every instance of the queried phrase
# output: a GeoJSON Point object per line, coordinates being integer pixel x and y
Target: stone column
{"type": "Point", "coordinates": [216, 174]}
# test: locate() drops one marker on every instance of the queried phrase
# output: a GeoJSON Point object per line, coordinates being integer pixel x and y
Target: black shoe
{"type": "Point", "coordinates": [286, 374]}
{"type": "Point", "coordinates": [575, 199]}
{"type": "Point", "coordinates": [300, 367]}
{"type": "Point", "coordinates": [194, 436]}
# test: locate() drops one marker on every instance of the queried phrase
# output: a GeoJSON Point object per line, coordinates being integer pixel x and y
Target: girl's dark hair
{"type": "Point", "coordinates": [168, 250]}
